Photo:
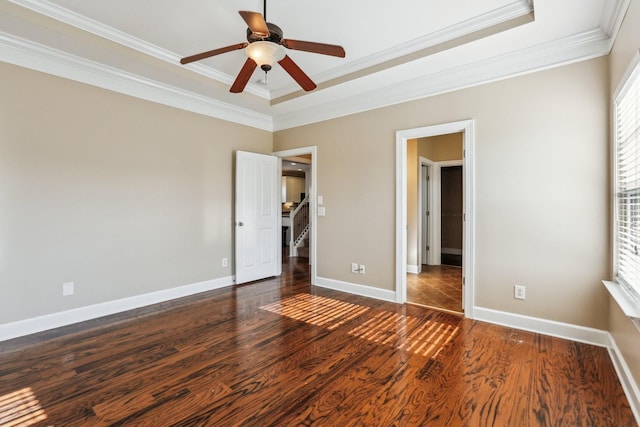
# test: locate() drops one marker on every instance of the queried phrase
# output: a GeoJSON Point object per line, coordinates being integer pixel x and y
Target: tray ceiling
{"type": "Point", "coordinates": [396, 51]}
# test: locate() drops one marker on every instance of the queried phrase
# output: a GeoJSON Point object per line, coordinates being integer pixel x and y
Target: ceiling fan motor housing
{"type": "Point", "coordinates": [275, 34]}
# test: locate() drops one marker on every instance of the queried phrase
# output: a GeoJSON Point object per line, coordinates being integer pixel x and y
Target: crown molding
{"type": "Point", "coordinates": [515, 10]}
{"type": "Point", "coordinates": [576, 48]}
{"type": "Point", "coordinates": [38, 57]}
{"type": "Point", "coordinates": [580, 47]}
{"type": "Point", "coordinates": [612, 18]}
{"type": "Point", "coordinates": [84, 23]}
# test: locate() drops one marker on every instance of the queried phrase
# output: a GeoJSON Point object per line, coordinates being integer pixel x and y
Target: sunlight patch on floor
{"type": "Point", "coordinates": [20, 409]}
{"type": "Point", "coordinates": [316, 310]}
{"type": "Point", "coordinates": [405, 333]}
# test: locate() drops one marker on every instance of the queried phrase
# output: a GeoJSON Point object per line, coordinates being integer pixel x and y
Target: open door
{"type": "Point", "coordinates": [257, 212]}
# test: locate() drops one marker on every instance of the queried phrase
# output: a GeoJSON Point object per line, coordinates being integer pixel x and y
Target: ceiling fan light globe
{"type": "Point", "coordinates": [265, 52]}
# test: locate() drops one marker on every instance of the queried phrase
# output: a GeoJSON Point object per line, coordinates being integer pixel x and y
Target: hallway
{"type": "Point", "coordinates": [438, 286]}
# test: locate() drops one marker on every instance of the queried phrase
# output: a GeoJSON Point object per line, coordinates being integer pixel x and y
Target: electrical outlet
{"type": "Point", "coordinates": [67, 289]}
{"type": "Point", "coordinates": [519, 292]}
{"type": "Point", "coordinates": [225, 262]}
{"type": "Point", "coordinates": [361, 268]}
{"type": "Point", "coordinates": [354, 267]}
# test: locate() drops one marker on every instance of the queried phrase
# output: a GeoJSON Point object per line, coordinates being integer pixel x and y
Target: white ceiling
{"type": "Point", "coordinates": [396, 51]}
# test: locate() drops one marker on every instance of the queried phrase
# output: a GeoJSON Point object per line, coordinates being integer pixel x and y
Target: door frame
{"type": "Point", "coordinates": [468, 260]}
{"type": "Point", "coordinates": [425, 204]}
{"type": "Point", "coordinates": [313, 218]}
{"type": "Point", "coordinates": [435, 207]}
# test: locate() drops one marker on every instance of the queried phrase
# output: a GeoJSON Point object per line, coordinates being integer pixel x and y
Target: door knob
{"type": "Point", "coordinates": [240, 224]}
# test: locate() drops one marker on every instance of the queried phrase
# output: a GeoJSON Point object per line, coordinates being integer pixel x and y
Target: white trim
{"type": "Point", "coordinates": [629, 305]}
{"type": "Point", "coordinates": [313, 201]}
{"type": "Point", "coordinates": [425, 231]}
{"type": "Point", "coordinates": [543, 326]}
{"type": "Point", "coordinates": [580, 47]}
{"type": "Point", "coordinates": [353, 288]}
{"type": "Point", "coordinates": [509, 12]}
{"type": "Point", "coordinates": [612, 18]}
{"type": "Point", "coordinates": [414, 269]}
{"type": "Point", "coordinates": [625, 376]}
{"type": "Point", "coordinates": [515, 10]}
{"type": "Point", "coordinates": [435, 219]}
{"type": "Point", "coordinates": [279, 221]}
{"type": "Point", "coordinates": [81, 314]}
{"type": "Point", "coordinates": [468, 259]}
{"type": "Point", "coordinates": [25, 53]}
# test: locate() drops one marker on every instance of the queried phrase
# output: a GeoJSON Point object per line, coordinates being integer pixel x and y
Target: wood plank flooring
{"type": "Point", "coordinates": [438, 286]}
{"type": "Point", "coordinates": [282, 352]}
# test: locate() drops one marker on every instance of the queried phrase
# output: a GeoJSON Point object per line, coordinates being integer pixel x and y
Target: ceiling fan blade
{"type": "Point", "coordinates": [243, 76]}
{"type": "Point", "coordinates": [213, 52]}
{"type": "Point", "coordinates": [255, 22]}
{"type": "Point", "coordinates": [321, 48]}
{"type": "Point", "coordinates": [296, 72]}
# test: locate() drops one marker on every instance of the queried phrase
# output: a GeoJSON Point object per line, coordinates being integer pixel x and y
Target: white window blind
{"type": "Point", "coordinates": [627, 184]}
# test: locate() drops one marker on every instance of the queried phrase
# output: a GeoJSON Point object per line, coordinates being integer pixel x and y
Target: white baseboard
{"type": "Point", "coordinates": [55, 320]}
{"type": "Point", "coordinates": [543, 326]}
{"type": "Point", "coordinates": [352, 288]}
{"type": "Point", "coordinates": [414, 269]}
{"type": "Point", "coordinates": [626, 378]}
{"type": "Point", "coordinates": [451, 251]}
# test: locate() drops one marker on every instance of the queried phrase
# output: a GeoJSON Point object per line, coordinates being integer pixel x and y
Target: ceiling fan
{"type": "Point", "coordinates": [264, 47]}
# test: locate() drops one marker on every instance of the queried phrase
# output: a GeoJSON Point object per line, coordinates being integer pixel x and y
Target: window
{"type": "Point", "coordinates": [627, 184]}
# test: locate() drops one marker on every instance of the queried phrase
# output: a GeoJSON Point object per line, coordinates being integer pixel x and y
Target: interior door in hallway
{"type": "Point", "coordinates": [256, 214]}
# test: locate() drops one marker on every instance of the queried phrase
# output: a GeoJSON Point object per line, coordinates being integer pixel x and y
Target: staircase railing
{"type": "Point", "coordinates": [299, 226]}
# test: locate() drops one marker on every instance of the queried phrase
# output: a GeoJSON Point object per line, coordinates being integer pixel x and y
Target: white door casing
{"type": "Point", "coordinates": [468, 257]}
{"type": "Point", "coordinates": [257, 212]}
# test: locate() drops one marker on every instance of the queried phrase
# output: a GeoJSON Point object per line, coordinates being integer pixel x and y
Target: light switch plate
{"type": "Point", "coordinates": [321, 211]}
{"type": "Point", "coordinates": [320, 200]}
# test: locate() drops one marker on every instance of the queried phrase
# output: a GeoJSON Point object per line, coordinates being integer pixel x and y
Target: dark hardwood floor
{"type": "Point", "coordinates": [438, 286]}
{"type": "Point", "coordinates": [282, 352]}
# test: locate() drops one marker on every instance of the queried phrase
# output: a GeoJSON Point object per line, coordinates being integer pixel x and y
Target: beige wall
{"type": "Point", "coordinates": [119, 195]}
{"type": "Point", "coordinates": [625, 333]}
{"type": "Point", "coordinates": [441, 148]}
{"type": "Point", "coordinates": [541, 216]}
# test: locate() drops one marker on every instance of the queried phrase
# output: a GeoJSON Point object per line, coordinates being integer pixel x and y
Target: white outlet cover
{"type": "Point", "coordinates": [67, 289]}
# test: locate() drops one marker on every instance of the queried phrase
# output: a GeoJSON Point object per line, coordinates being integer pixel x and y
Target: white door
{"type": "Point", "coordinates": [257, 213]}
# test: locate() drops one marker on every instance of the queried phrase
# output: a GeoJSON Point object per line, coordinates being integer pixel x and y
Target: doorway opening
{"type": "Point", "coordinates": [298, 240]}
{"type": "Point", "coordinates": [434, 221]}
{"type": "Point", "coordinates": [434, 216]}
{"type": "Point", "coordinates": [296, 179]}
